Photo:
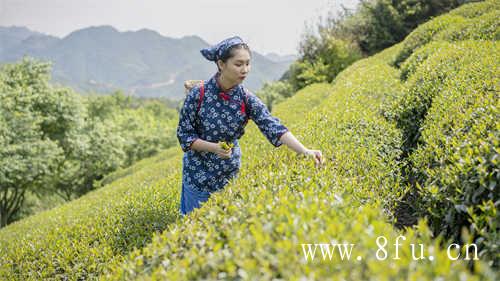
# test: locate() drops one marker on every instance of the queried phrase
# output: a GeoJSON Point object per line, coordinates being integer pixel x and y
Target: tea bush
{"type": "Point", "coordinates": [477, 21]}
{"type": "Point", "coordinates": [77, 240]}
{"type": "Point", "coordinates": [424, 34]}
{"type": "Point", "coordinates": [476, 9]}
{"type": "Point", "coordinates": [448, 115]}
{"type": "Point", "coordinates": [253, 229]}
{"type": "Point", "coordinates": [430, 73]}
{"type": "Point", "coordinates": [456, 163]}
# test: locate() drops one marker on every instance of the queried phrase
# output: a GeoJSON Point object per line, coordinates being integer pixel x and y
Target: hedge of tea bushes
{"type": "Point", "coordinates": [254, 228]}
{"type": "Point", "coordinates": [365, 147]}
{"type": "Point", "coordinates": [123, 172]}
{"type": "Point", "coordinates": [78, 240]}
{"type": "Point", "coordinates": [449, 119]}
{"type": "Point", "coordinates": [451, 110]}
{"type": "Point", "coordinates": [475, 9]}
{"type": "Point", "coordinates": [429, 69]}
{"type": "Point", "coordinates": [204, 248]}
{"type": "Point", "coordinates": [484, 27]}
{"type": "Point", "coordinates": [257, 235]}
{"type": "Point", "coordinates": [477, 21]}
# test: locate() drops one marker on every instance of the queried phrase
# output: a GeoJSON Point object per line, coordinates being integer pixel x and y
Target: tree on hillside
{"type": "Point", "coordinates": [56, 142]}
{"type": "Point", "coordinates": [27, 156]}
{"type": "Point", "coordinates": [344, 37]}
{"type": "Point", "coordinates": [273, 93]}
{"type": "Point", "coordinates": [48, 146]}
{"type": "Point", "coordinates": [378, 24]}
{"type": "Point", "coordinates": [322, 58]}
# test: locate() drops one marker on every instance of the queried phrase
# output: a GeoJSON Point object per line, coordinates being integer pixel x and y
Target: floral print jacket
{"type": "Point", "coordinates": [220, 117]}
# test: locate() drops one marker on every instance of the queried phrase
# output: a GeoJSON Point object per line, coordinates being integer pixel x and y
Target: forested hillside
{"type": "Point", "coordinates": [57, 145]}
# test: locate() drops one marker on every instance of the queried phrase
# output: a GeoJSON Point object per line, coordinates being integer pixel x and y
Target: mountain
{"type": "Point", "coordinates": [141, 63]}
{"type": "Point", "coordinates": [10, 37]}
{"type": "Point", "coordinates": [279, 58]}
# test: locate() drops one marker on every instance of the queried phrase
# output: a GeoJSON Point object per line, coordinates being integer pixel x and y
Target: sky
{"type": "Point", "coordinates": [266, 25]}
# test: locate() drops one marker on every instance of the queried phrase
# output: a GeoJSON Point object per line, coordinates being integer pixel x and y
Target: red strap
{"type": "Point", "coordinates": [202, 93]}
{"type": "Point", "coordinates": [243, 104]}
{"type": "Point", "coordinates": [244, 107]}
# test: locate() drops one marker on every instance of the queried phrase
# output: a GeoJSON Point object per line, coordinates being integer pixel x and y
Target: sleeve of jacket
{"type": "Point", "coordinates": [269, 125]}
{"type": "Point", "coordinates": [186, 132]}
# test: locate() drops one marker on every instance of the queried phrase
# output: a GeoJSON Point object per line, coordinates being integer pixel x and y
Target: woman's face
{"type": "Point", "coordinates": [236, 68]}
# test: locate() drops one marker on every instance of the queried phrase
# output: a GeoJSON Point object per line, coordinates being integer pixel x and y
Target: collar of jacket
{"type": "Point", "coordinates": [221, 93]}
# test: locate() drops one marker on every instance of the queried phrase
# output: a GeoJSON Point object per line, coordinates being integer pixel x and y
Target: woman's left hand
{"type": "Point", "coordinates": [318, 157]}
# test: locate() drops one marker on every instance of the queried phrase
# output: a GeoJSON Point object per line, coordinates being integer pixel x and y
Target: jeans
{"type": "Point", "coordinates": [191, 198]}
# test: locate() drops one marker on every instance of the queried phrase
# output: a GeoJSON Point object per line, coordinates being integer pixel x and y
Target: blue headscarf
{"type": "Point", "coordinates": [214, 53]}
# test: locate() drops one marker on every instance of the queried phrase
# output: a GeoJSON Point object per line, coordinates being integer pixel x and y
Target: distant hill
{"type": "Point", "coordinates": [142, 63]}
{"type": "Point", "coordinates": [278, 58]}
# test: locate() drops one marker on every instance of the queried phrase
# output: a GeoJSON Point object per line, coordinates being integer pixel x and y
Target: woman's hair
{"type": "Point", "coordinates": [230, 52]}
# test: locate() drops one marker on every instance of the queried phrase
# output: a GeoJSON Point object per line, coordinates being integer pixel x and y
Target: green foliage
{"type": "Point", "coordinates": [478, 21]}
{"type": "Point", "coordinates": [146, 131]}
{"type": "Point", "coordinates": [123, 172]}
{"type": "Point", "coordinates": [378, 24]}
{"type": "Point", "coordinates": [253, 229]}
{"type": "Point", "coordinates": [52, 146]}
{"type": "Point", "coordinates": [450, 115]}
{"type": "Point", "coordinates": [323, 62]}
{"type": "Point", "coordinates": [78, 240]}
{"type": "Point", "coordinates": [145, 126]}
{"type": "Point", "coordinates": [476, 9]}
{"type": "Point", "coordinates": [302, 74]}
{"type": "Point", "coordinates": [484, 27]}
{"type": "Point", "coordinates": [424, 34]}
{"type": "Point", "coordinates": [374, 25]}
{"type": "Point", "coordinates": [27, 156]}
{"type": "Point", "coordinates": [57, 117]}
{"type": "Point", "coordinates": [449, 118]}
{"type": "Point", "coordinates": [273, 93]}
{"type": "Point", "coordinates": [103, 107]}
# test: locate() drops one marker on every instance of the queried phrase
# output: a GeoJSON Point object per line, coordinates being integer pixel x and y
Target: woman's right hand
{"type": "Point", "coordinates": [317, 155]}
{"type": "Point", "coordinates": [222, 153]}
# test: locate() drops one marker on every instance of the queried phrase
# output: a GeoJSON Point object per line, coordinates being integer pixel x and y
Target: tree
{"type": "Point", "coordinates": [55, 142]}
{"type": "Point", "coordinates": [323, 57]}
{"type": "Point", "coordinates": [273, 93]}
{"type": "Point", "coordinates": [378, 24]}
{"type": "Point", "coordinates": [27, 157]}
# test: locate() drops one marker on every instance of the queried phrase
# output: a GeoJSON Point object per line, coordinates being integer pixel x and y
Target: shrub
{"type": "Point", "coordinates": [456, 163]}
{"type": "Point", "coordinates": [254, 227]}
{"type": "Point", "coordinates": [78, 241]}
{"type": "Point", "coordinates": [273, 93]}
{"type": "Point", "coordinates": [477, 21]}
{"type": "Point", "coordinates": [476, 9]}
{"type": "Point", "coordinates": [324, 63]}
{"type": "Point", "coordinates": [424, 34]}
{"type": "Point", "coordinates": [484, 27]}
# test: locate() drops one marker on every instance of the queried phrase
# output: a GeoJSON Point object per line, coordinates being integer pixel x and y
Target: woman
{"type": "Point", "coordinates": [218, 110]}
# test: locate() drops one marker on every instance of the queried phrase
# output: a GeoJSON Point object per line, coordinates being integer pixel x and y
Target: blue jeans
{"type": "Point", "coordinates": [191, 198]}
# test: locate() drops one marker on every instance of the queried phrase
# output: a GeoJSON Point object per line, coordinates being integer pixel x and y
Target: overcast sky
{"type": "Point", "coordinates": [267, 25]}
